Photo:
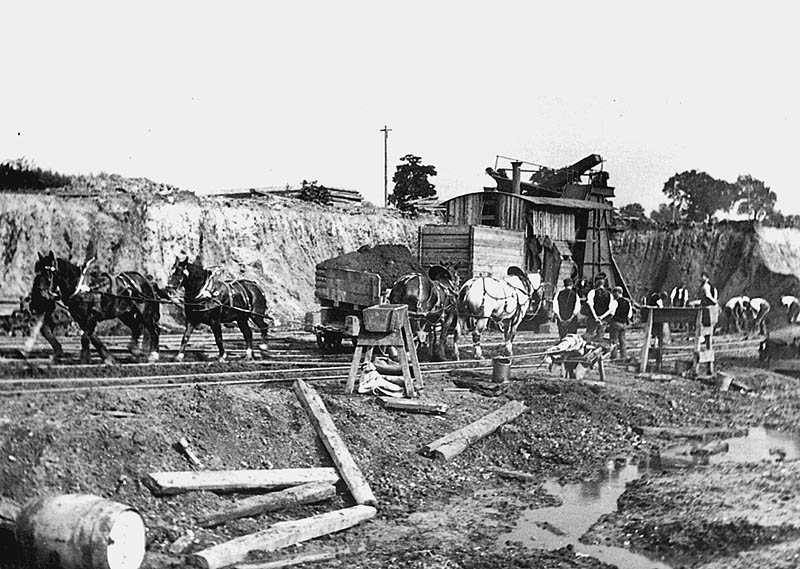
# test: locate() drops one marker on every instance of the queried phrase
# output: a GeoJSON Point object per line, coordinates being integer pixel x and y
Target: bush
{"type": "Point", "coordinates": [311, 192]}
{"type": "Point", "coordinates": [23, 174]}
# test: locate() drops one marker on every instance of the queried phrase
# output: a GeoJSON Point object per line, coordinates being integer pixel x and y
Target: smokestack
{"type": "Point", "coordinates": [515, 178]}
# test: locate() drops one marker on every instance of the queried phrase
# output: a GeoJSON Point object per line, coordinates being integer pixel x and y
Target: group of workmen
{"type": "Point", "coordinates": [608, 310]}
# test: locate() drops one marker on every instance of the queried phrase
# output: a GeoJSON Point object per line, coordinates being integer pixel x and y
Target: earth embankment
{"type": "Point", "coordinates": [741, 258]}
{"type": "Point", "coordinates": [275, 241]}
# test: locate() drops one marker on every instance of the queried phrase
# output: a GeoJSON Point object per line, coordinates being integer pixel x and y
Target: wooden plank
{"type": "Point", "coordinates": [697, 433]}
{"type": "Point", "coordinates": [412, 406]}
{"type": "Point", "coordinates": [304, 494]}
{"type": "Point", "coordinates": [329, 434]}
{"type": "Point", "coordinates": [165, 483]}
{"type": "Point", "coordinates": [454, 443]}
{"type": "Point", "coordinates": [279, 535]}
{"type": "Point", "coordinates": [784, 365]}
{"type": "Point", "coordinates": [648, 331]}
{"type": "Point", "coordinates": [515, 474]}
{"type": "Point", "coordinates": [302, 558]}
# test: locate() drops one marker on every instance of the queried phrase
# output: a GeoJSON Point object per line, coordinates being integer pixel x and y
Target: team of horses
{"type": "Point", "coordinates": [438, 306]}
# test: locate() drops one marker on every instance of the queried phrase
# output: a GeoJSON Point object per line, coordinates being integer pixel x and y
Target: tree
{"type": "Point", "coordinates": [632, 210]}
{"type": "Point", "coordinates": [666, 213]}
{"type": "Point", "coordinates": [411, 183]}
{"type": "Point", "coordinates": [757, 200]}
{"type": "Point", "coordinates": [697, 196]}
{"type": "Point", "coordinates": [23, 174]}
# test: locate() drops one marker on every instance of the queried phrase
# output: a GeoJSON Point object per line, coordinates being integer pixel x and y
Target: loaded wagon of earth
{"type": "Point", "coordinates": [347, 284]}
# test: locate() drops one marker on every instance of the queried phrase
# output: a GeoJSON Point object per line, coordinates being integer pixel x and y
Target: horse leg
{"type": "Point", "coordinates": [49, 335]}
{"type": "Point", "coordinates": [154, 333]}
{"type": "Point", "coordinates": [248, 339]}
{"type": "Point", "coordinates": [133, 321]}
{"type": "Point", "coordinates": [480, 326]}
{"type": "Point", "coordinates": [216, 327]}
{"type": "Point", "coordinates": [263, 329]}
{"type": "Point", "coordinates": [89, 336]}
{"type": "Point", "coordinates": [187, 333]}
{"type": "Point", "coordinates": [508, 335]}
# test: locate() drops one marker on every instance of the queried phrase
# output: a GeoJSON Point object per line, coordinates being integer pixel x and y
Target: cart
{"type": "Point", "coordinates": [342, 294]}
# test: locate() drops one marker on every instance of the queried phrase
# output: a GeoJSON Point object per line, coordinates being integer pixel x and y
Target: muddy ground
{"type": "Point", "coordinates": [431, 514]}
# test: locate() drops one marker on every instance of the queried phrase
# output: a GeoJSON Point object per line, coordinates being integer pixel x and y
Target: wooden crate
{"type": "Point", "coordinates": [474, 250]}
{"type": "Point", "coordinates": [385, 317]}
{"type": "Point", "coordinates": [335, 287]}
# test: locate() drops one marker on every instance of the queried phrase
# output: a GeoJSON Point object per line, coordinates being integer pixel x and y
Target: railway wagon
{"type": "Point", "coordinates": [342, 294]}
{"type": "Point", "coordinates": [471, 250]}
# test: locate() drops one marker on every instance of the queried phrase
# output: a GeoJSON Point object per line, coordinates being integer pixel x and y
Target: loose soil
{"type": "Point", "coordinates": [431, 514]}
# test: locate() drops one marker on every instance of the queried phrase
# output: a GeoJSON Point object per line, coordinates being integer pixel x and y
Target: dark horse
{"type": "Point", "coordinates": [128, 296]}
{"type": "Point", "coordinates": [431, 301]}
{"type": "Point", "coordinates": [208, 300]}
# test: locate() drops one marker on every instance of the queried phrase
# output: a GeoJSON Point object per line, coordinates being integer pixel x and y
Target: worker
{"type": "Point", "coordinates": [618, 324]}
{"type": "Point", "coordinates": [601, 305]}
{"type": "Point", "coordinates": [792, 305]}
{"type": "Point", "coordinates": [709, 296]}
{"type": "Point", "coordinates": [679, 296]}
{"type": "Point", "coordinates": [759, 308]}
{"type": "Point", "coordinates": [568, 306]}
{"type": "Point", "coordinates": [735, 314]}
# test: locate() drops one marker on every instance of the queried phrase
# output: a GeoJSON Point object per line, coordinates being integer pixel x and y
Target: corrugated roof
{"type": "Point", "coordinates": [567, 203]}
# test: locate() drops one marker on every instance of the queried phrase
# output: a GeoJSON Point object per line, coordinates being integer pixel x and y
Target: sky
{"type": "Point", "coordinates": [211, 96]}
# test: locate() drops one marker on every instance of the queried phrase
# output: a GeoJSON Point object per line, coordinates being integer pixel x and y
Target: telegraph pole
{"type": "Point", "coordinates": [385, 130]}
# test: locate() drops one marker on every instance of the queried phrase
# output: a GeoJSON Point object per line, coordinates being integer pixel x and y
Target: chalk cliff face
{"type": "Point", "coordinates": [278, 241]}
{"type": "Point", "coordinates": [275, 241]}
{"type": "Point", "coordinates": [742, 258]}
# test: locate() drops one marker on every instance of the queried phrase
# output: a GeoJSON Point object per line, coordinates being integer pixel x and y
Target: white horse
{"type": "Point", "coordinates": [505, 302]}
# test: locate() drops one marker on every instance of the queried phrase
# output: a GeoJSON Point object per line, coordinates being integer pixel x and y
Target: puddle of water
{"type": "Point", "coordinates": [584, 503]}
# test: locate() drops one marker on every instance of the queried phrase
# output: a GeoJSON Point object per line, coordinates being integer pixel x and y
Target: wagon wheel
{"type": "Point", "coordinates": [329, 341]}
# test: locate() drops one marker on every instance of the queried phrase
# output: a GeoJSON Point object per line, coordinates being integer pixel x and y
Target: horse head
{"type": "Point", "coordinates": [178, 273]}
{"type": "Point", "coordinates": [441, 275]}
{"type": "Point", "coordinates": [517, 273]}
{"type": "Point", "coordinates": [46, 280]}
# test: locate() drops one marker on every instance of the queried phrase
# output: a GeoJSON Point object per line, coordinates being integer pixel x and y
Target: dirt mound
{"type": "Point", "coordinates": [389, 261]}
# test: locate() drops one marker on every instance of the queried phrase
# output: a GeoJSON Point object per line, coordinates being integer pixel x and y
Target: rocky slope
{"type": "Point", "coordinates": [273, 240]}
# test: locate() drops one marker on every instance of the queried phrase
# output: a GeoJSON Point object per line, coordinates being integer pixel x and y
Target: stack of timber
{"type": "Point", "coordinates": [299, 486]}
{"type": "Point", "coordinates": [339, 196]}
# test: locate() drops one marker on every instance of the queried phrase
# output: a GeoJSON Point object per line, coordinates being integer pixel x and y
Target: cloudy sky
{"type": "Point", "coordinates": [208, 96]}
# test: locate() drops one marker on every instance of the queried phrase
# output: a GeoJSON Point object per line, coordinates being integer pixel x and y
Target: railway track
{"type": "Point", "coordinates": [290, 357]}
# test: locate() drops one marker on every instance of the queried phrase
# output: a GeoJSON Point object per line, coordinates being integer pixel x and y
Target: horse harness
{"type": "Point", "coordinates": [505, 299]}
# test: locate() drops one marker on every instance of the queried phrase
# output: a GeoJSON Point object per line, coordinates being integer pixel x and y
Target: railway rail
{"type": "Point", "coordinates": [291, 356]}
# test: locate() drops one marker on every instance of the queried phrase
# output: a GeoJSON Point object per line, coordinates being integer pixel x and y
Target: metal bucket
{"type": "Point", "coordinates": [80, 531]}
{"type": "Point", "coordinates": [501, 369]}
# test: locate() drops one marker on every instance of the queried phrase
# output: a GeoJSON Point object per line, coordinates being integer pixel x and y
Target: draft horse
{"type": "Point", "coordinates": [92, 298]}
{"type": "Point", "coordinates": [505, 302]}
{"type": "Point", "coordinates": [431, 301]}
{"type": "Point", "coordinates": [209, 300]}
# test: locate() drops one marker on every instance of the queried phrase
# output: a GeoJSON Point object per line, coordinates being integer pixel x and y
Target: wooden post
{"type": "Point", "coordinates": [454, 443]}
{"type": "Point", "coordinates": [303, 494]}
{"type": "Point", "coordinates": [329, 434]}
{"type": "Point", "coordinates": [351, 378]}
{"type": "Point", "coordinates": [280, 535]}
{"type": "Point", "coordinates": [646, 346]}
{"type": "Point", "coordinates": [164, 483]}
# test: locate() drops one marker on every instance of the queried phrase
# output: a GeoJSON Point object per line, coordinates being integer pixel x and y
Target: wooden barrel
{"type": "Point", "coordinates": [80, 531]}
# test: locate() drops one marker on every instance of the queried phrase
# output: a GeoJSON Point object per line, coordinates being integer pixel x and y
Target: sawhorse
{"type": "Point", "coordinates": [388, 325]}
{"type": "Point", "coordinates": [704, 318]}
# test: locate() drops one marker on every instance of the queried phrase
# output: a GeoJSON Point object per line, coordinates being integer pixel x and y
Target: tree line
{"type": "Point", "coordinates": [699, 197]}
